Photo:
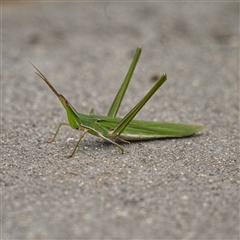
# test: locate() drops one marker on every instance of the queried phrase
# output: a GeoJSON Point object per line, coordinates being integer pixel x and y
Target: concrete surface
{"type": "Point", "coordinates": [163, 189]}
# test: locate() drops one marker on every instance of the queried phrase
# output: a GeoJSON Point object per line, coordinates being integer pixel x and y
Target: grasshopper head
{"type": "Point", "coordinates": [72, 114]}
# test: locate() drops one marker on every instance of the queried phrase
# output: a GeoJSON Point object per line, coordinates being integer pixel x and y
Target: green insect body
{"type": "Point", "coordinates": [124, 129]}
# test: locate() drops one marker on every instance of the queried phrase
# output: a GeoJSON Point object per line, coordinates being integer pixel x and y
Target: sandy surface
{"type": "Point", "coordinates": [163, 189]}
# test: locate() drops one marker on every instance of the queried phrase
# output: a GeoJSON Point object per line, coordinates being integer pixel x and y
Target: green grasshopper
{"type": "Point", "coordinates": [124, 129]}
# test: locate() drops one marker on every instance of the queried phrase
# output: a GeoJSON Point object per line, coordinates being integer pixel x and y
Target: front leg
{"type": "Point", "coordinates": [55, 135]}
